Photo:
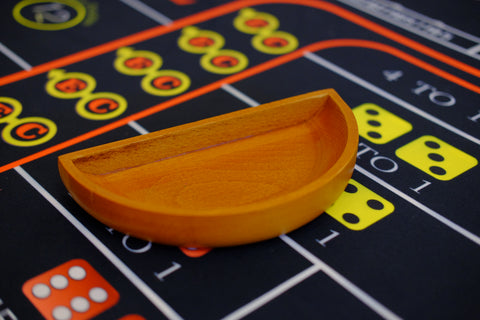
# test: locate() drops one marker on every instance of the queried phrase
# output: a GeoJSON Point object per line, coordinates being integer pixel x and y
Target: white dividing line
{"type": "Point", "coordinates": [452, 225]}
{"type": "Point", "coordinates": [158, 302]}
{"type": "Point", "coordinates": [240, 95]}
{"type": "Point", "coordinates": [272, 294]}
{"type": "Point", "coordinates": [14, 57]}
{"type": "Point", "coordinates": [473, 51]}
{"type": "Point", "coordinates": [415, 22]}
{"type": "Point", "coordinates": [148, 11]}
{"type": "Point", "coordinates": [361, 295]}
{"type": "Point", "coordinates": [371, 87]}
{"type": "Point", "coordinates": [137, 127]}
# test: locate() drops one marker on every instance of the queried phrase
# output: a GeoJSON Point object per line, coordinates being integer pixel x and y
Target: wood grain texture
{"type": "Point", "coordinates": [237, 178]}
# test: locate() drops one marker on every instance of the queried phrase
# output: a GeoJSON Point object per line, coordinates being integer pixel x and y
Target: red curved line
{"type": "Point", "coordinates": [327, 44]}
{"type": "Point", "coordinates": [226, 9]}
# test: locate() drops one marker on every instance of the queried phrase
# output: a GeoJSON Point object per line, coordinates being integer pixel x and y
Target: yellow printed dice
{"type": "Point", "coordinates": [358, 207]}
{"type": "Point", "coordinates": [378, 125]}
{"type": "Point", "coordinates": [436, 158]}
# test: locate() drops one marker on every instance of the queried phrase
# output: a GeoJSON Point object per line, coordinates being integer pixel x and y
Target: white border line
{"type": "Point", "coordinates": [272, 294]}
{"type": "Point", "coordinates": [371, 87]}
{"type": "Point", "coordinates": [452, 225]}
{"type": "Point", "coordinates": [239, 95]}
{"type": "Point", "coordinates": [417, 15]}
{"type": "Point", "coordinates": [474, 50]}
{"type": "Point", "coordinates": [137, 127]}
{"type": "Point", "coordinates": [158, 302]}
{"type": "Point", "coordinates": [400, 9]}
{"type": "Point", "coordinates": [148, 11]}
{"type": "Point", "coordinates": [361, 295]}
{"type": "Point", "coordinates": [14, 57]}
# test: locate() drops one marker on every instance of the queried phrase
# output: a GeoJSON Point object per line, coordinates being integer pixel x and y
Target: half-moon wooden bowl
{"type": "Point", "coordinates": [233, 179]}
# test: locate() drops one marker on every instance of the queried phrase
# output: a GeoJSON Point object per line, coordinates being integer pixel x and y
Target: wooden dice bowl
{"type": "Point", "coordinates": [233, 179]}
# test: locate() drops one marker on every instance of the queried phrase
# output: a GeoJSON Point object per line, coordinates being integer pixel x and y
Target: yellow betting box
{"type": "Point", "coordinates": [436, 158]}
{"type": "Point", "coordinates": [358, 207]}
{"type": "Point", "coordinates": [378, 125]}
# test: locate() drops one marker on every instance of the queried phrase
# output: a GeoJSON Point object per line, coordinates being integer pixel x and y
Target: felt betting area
{"type": "Point", "coordinates": [402, 241]}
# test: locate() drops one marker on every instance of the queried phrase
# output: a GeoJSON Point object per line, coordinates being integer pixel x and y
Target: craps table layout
{"type": "Point", "coordinates": [401, 242]}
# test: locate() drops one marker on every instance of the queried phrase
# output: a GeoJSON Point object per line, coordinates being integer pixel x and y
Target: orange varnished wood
{"type": "Point", "coordinates": [242, 177]}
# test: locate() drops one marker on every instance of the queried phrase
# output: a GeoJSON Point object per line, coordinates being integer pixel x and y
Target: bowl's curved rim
{"type": "Point", "coordinates": [341, 165]}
